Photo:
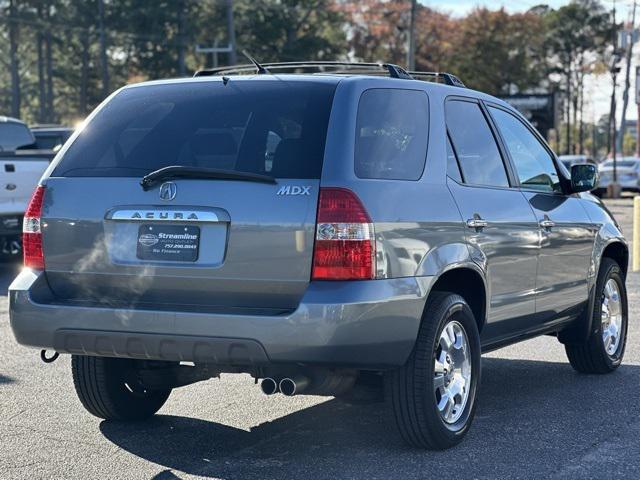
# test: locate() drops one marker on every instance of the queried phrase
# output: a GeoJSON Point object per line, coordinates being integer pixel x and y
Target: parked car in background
{"type": "Point", "coordinates": [570, 160]}
{"type": "Point", "coordinates": [15, 134]}
{"type": "Point", "coordinates": [51, 137]}
{"type": "Point", "coordinates": [21, 166]}
{"type": "Point", "coordinates": [20, 170]}
{"type": "Point", "coordinates": [627, 171]}
{"type": "Point", "coordinates": [314, 230]}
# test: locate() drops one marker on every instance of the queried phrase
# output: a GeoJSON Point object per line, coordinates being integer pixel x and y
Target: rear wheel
{"type": "Point", "coordinates": [109, 388]}
{"type": "Point", "coordinates": [433, 395]}
{"type": "Point", "coordinates": [602, 352]}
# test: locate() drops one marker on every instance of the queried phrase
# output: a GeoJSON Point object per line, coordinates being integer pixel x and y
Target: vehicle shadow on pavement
{"type": "Point", "coordinates": [528, 411]}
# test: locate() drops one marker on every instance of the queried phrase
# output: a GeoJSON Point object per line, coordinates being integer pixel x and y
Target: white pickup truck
{"type": "Point", "coordinates": [20, 171]}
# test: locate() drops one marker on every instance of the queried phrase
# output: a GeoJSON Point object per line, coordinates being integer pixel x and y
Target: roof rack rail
{"type": "Point", "coordinates": [360, 68]}
{"type": "Point", "coordinates": [447, 78]}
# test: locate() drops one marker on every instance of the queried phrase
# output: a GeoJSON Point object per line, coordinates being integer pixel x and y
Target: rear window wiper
{"type": "Point", "coordinates": [181, 171]}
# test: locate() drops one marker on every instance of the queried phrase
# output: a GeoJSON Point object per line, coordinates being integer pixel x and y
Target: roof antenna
{"type": "Point", "coordinates": [260, 68]}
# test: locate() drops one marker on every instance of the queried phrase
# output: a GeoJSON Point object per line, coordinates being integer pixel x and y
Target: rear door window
{"type": "Point", "coordinates": [453, 170]}
{"type": "Point", "coordinates": [391, 134]}
{"type": "Point", "coordinates": [269, 127]}
{"type": "Point", "coordinates": [475, 145]}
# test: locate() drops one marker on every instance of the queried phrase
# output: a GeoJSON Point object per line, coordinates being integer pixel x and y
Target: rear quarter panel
{"type": "Point", "coordinates": [419, 230]}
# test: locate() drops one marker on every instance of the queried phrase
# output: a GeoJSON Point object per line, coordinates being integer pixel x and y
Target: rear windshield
{"type": "Point", "coordinates": [275, 128]}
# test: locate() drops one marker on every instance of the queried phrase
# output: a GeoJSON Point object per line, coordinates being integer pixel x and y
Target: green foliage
{"type": "Point", "coordinates": [290, 30]}
{"type": "Point", "coordinates": [501, 53]}
{"type": "Point", "coordinates": [493, 51]}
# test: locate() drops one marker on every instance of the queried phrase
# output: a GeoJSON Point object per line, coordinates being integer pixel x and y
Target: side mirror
{"type": "Point", "coordinates": [584, 177]}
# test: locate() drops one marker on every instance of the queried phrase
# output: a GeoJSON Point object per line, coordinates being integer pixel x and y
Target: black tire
{"type": "Point", "coordinates": [107, 388]}
{"type": "Point", "coordinates": [410, 389]}
{"type": "Point", "coordinates": [590, 356]}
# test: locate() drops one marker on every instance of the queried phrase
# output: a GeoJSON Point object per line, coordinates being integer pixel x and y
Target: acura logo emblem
{"type": "Point", "coordinates": [168, 191]}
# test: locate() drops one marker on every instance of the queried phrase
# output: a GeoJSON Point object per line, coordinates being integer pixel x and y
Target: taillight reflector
{"type": "Point", "coordinates": [32, 232]}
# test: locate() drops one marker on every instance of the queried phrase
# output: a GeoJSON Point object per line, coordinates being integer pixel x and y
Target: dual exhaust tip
{"type": "Point", "coordinates": [287, 386]}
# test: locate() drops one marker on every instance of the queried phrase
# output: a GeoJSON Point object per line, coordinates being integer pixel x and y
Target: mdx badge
{"type": "Point", "coordinates": [294, 190]}
{"type": "Point", "coordinates": [168, 191]}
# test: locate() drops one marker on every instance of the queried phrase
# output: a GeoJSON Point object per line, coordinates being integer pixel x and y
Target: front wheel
{"type": "Point", "coordinates": [433, 395]}
{"type": "Point", "coordinates": [109, 388]}
{"type": "Point", "coordinates": [602, 352]}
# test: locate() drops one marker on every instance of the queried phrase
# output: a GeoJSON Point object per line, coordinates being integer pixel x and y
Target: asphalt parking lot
{"type": "Point", "coordinates": [536, 418]}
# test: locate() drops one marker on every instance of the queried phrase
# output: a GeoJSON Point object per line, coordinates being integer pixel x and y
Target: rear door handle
{"type": "Point", "coordinates": [477, 223]}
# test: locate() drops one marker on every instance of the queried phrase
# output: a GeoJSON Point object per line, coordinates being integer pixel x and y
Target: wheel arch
{"type": "Point", "coordinates": [468, 281]}
{"type": "Point", "coordinates": [618, 251]}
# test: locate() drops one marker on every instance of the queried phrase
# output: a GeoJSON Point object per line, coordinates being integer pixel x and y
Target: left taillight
{"type": "Point", "coordinates": [32, 231]}
{"type": "Point", "coordinates": [345, 242]}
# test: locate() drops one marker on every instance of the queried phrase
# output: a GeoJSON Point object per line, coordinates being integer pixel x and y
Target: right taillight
{"type": "Point", "coordinates": [345, 243]}
{"type": "Point", "coordinates": [32, 231]}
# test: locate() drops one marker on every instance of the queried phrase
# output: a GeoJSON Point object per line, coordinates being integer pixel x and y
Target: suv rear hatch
{"type": "Point", "coordinates": [202, 243]}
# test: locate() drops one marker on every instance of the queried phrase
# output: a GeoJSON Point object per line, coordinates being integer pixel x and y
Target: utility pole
{"type": "Point", "coordinates": [638, 105]}
{"type": "Point", "coordinates": [231, 34]}
{"type": "Point", "coordinates": [630, 37]}
{"type": "Point", "coordinates": [614, 187]}
{"type": "Point", "coordinates": [103, 50]}
{"type": "Point", "coordinates": [182, 68]}
{"type": "Point", "coordinates": [411, 50]}
{"type": "Point", "coordinates": [231, 45]}
{"type": "Point", "coordinates": [13, 54]}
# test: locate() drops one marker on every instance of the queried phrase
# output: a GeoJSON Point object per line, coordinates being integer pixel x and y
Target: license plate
{"type": "Point", "coordinates": [173, 243]}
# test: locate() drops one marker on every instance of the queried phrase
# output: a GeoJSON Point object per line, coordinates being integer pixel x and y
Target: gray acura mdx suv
{"type": "Point", "coordinates": [314, 230]}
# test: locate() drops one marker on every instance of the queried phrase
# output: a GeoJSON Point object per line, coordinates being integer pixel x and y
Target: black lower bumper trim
{"type": "Point", "coordinates": [146, 346]}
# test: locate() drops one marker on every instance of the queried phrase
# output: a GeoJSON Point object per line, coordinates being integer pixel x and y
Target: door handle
{"type": "Point", "coordinates": [477, 223]}
{"type": "Point", "coordinates": [547, 224]}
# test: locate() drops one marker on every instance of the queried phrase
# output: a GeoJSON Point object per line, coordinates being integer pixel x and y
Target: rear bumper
{"type": "Point", "coordinates": [369, 324]}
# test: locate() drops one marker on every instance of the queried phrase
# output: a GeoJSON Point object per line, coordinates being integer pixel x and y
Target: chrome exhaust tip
{"type": "Point", "coordinates": [292, 386]}
{"type": "Point", "coordinates": [269, 386]}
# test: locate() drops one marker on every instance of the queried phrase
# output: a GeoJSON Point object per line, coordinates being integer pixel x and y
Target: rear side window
{"type": "Point", "coordinates": [269, 127]}
{"type": "Point", "coordinates": [474, 144]}
{"type": "Point", "coordinates": [391, 134]}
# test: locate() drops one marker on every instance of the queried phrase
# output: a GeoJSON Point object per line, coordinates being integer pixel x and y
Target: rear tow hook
{"type": "Point", "coordinates": [51, 359]}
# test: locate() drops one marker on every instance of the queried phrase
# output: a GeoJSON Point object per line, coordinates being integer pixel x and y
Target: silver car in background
{"type": "Point", "coordinates": [627, 171]}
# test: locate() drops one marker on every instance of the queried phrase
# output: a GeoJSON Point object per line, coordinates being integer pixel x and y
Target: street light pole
{"type": "Point", "coordinates": [613, 187]}
{"type": "Point", "coordinates": [411, 50]}
{"type": "Point", "coordinates": [628, 45]}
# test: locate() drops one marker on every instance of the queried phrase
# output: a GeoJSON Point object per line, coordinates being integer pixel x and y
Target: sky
{"type": "Point", "coordinates": [598, 88]}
